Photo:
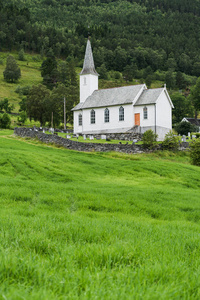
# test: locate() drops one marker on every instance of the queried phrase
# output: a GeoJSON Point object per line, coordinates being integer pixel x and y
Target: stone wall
{"type": "Point", "coordinates": [79, 146]}
{"type": "Point", "coordinates": [73, 145]}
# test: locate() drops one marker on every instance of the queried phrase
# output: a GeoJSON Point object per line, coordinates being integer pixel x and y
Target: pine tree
{"type": "Point", "coordinates": [12, 72]}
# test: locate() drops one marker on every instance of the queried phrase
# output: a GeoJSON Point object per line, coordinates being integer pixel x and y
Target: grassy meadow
{"type": "Point", "coordinates": [97, 225]}
{"type": "Point", "coordinates": [30, 74]}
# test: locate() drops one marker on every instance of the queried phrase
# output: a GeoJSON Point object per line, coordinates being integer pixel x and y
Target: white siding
{"type": "Point", "coordinates": [164, 112]}
{"type": "Point", "coordinates": [100, 125]}
{"type": "Point", "coordinates": [88, 84]}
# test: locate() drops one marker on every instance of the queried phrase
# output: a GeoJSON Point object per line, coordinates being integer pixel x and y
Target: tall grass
{"type": "Point", "coordinates": [97, 226]}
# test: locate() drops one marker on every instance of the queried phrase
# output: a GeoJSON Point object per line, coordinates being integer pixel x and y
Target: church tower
{"type": "Point", "coordinates": [88, 75]}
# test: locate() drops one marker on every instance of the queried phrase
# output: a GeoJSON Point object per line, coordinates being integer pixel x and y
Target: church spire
{"type": "Point", "coordinates": [88, 65]}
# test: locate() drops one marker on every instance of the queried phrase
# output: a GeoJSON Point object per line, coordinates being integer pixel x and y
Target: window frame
{"type": "Point", "coordinates": [145, 113]}
{"type": "Point", "coordinates": [92, 116]}
{"type": "Point", "coordinates": [121, 113]}
{"type": "Point", "coordinates": [106, 115]}
{"type": "Point", "coordinates": [80, 119]}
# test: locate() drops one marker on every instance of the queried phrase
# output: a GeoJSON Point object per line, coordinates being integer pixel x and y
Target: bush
{"type": "Point", "coordinates": [195, 152]}
{"type": "Point", "coordinates": [149, 139]}
{"type": "Point", "coordinates": [170, 142]}
{"type": "Point", "coordinates": [22, 117]}
{"type": "Point", "coordinates": [184, 127]}
{"type": "Point", "coordinates": [197, 135]}
{"type": "Point", "coordinates": [5, 121]}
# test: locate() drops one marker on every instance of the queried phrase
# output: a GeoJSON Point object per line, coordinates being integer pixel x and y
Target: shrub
{"type": "Point", "coordinates": [170, 142]}
{"type": "Point", "coordinates": [184, 127]}
{"type": "Point", "coordinates": [149, 139]}
{"type": "Point", "coordinates": [195, 152]}
{"type": "Point", "coordinates": [197, 135]}
{"type": "Point", "coordinates": [22, 117]}
{"type": "Point", "coordinates": [5, 121]}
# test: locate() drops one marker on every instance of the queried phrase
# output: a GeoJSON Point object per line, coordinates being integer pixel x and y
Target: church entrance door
{"type": "Point", "coordinates": [137, 119]}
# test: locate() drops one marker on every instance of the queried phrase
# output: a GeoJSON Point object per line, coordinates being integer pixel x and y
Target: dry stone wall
{"type": "Point", "coordinates": [73, 145]}
{"type": "Point", "coordinates": [87, 147]}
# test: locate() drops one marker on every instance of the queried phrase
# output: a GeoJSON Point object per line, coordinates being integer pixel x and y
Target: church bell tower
{"type": "Point", "coordinates": [88, 75]}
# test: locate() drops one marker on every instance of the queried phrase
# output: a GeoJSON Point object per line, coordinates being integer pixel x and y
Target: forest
{"type": "Point", "coordinates": [159, 35]}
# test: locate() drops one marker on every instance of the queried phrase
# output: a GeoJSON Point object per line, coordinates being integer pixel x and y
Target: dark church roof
{"type": "Point", "coordinates": [88, 65]}
{"type": "Point", "coordinates": [193, 121]}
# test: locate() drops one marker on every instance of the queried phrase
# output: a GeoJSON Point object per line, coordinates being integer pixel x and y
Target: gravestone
{"type": "Point", "coordinates": [189, 134]}
{"type": "Point", "coordinates": [103, 137]}
{"type": "Point", "coordinates": [134, 141]}
{"type": "Point", "coordinates": [68, 136]}
{"type": "Point", "coordinates": [193, 136]}
{"type": "Point", "coordinates": [183, 138]}
{"type": "Point", "coordinates": [43, 131]}
{"type": "Point", "coordinates": [84, 136]}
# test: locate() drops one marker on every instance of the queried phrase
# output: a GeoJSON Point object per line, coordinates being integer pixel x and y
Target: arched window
{"type": "Point", "coordinates": [92, 116]}
{"type": "Point", "coordinates": [145, 113]}
{"type": "Point", "coordinates": [106, 115]}
{"type": "Point", "coordinates": [121, 114]}
{"type": "Point", "coordinates": [80, 119]}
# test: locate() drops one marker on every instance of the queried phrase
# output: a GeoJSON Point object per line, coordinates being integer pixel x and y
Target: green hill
{"type": "Point", "coordinates": [155, 34]}
{"type": "Point", "coordinates": [97, 226]}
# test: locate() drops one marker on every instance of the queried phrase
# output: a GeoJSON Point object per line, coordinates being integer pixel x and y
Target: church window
{"type": "Point", "coordinates": [80, 119]}
{"type": "Point", "coordinates": [145, 113]}
{"type": "Point", "coordinates": [85, 82]}
{"type": "Point", "coordinates": [106, 115]}
{"type": "Point", "coordinates": [121, 114]}
{"type": "Point", "coordinates": [92, 116]}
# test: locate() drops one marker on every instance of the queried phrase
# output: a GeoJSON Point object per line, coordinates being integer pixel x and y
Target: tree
{"type": "Point", "coordinates": [21, 55]}
{"type": "Point", "coordinates": [184, 127]}
{"type": "Point", "coordinates": [49, 71]}
{"type": "Point", "coordinates": [195, 97]}
{"type": "Point", "coordinates": [37, 103]}
{"type": "Point", "coordinates": [12, 72]}
{"type": "Point", "coordinates": [5, 121]}
{"type": "Point", "coordinates": [182, 107]}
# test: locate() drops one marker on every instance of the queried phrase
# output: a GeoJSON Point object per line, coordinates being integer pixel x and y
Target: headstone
{"type": "Point", "coordinates": [43, 131]}
{"type": "Point", "coordinates": [103, 137]}
{"type": "Point", "coordinates": [51, 130]}
{"type": "Point", "coordinates": [84, 136]}
{"type": "Point", "coordinates": [68, 136]}
{"type": "Point", "coordinates": [134, 141]}
{"type": "Point", "coordinates": [189, 134]}
{"type": "Point", "coordinates": [184, 138]}
{"type": "Point", "coordinates": [91, 137]}
{"type": "Point", "coordinates": [193, 136]}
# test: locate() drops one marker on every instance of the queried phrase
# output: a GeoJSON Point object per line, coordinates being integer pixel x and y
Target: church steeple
{"type": "Point", "coordinates": [88, 65]}
{"type": "Point", "coordinates": [88, 75]}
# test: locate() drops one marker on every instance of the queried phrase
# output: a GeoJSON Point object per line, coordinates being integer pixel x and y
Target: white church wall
{"type": "Point", "coordinates": [163, 112]}
{"type": "Point", "coordinates": [100, 125]}
{"type": "Point", "coordinates": [88, 84]}
{"type": "Point", "coordinates": [150, 115]}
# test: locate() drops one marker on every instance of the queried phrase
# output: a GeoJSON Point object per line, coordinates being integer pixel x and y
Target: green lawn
{"type": "Point", "coordinates": [97, 226]}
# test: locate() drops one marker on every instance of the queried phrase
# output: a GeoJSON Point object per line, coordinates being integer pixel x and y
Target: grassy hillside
{"type": "Point", "coordinates": [97, 226]}
{"type": "Point", "coordinates": [30, 74]}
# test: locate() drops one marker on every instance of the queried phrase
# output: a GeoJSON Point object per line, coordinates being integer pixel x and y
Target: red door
{"type": "Point", "coordinates": [137, 119]}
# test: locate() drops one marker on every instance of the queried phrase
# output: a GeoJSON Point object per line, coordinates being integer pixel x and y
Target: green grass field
{"type": "Point", "coordinates": [97, 226]}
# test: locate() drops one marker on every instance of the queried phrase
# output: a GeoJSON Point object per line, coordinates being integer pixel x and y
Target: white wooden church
{"type": "Point", "coordinates": [119, 110]}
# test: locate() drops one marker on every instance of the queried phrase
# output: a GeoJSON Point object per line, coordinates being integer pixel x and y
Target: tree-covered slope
{"type": "Point", "coordinates": [161, 35]}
